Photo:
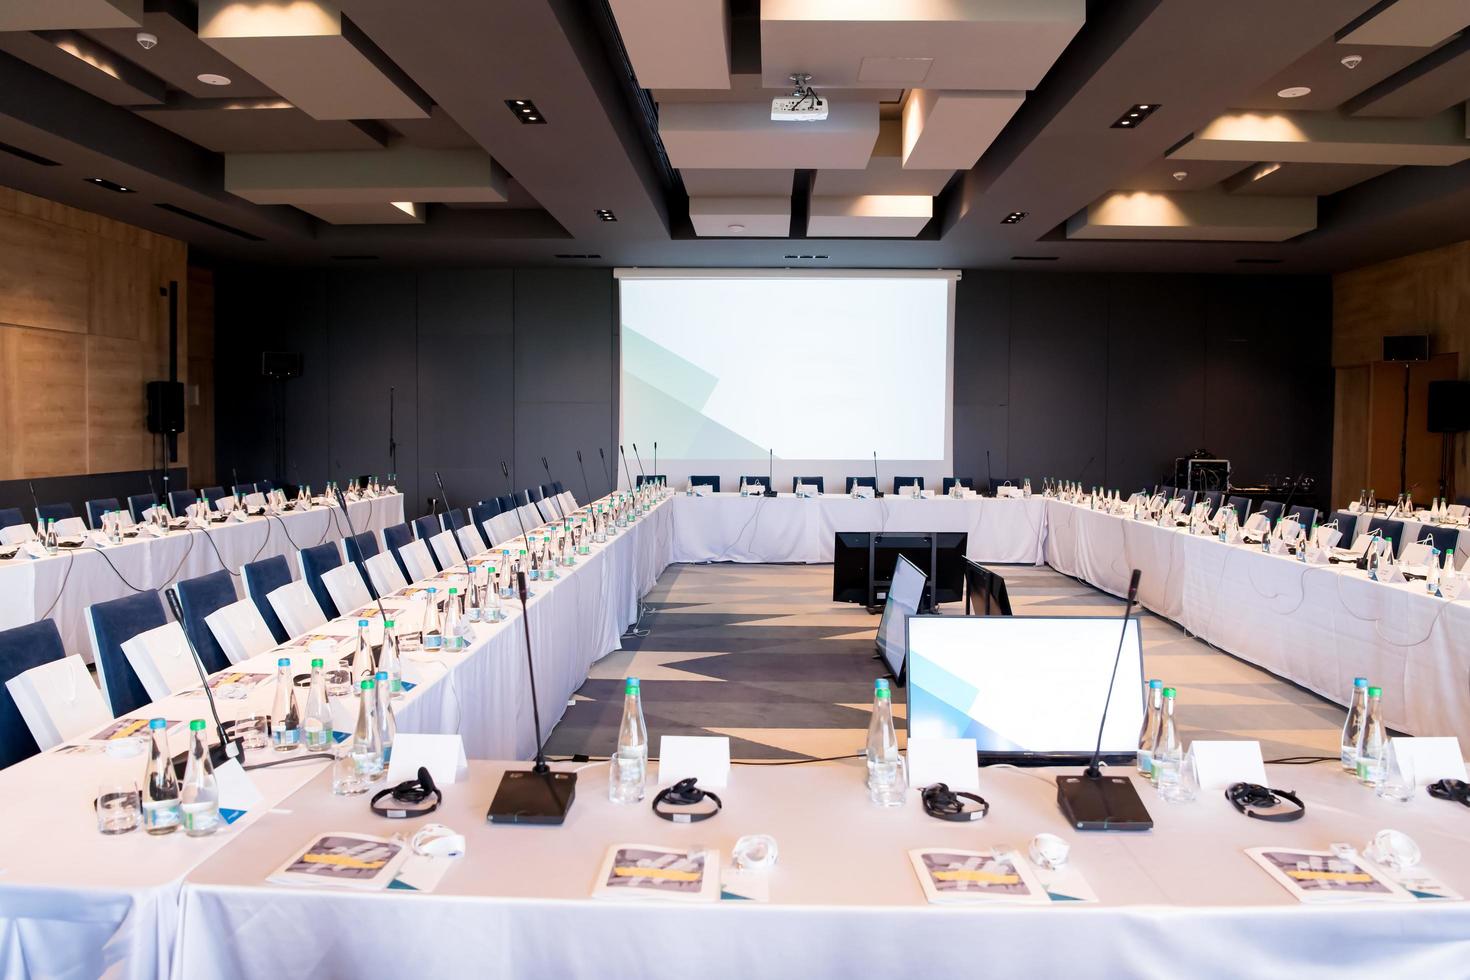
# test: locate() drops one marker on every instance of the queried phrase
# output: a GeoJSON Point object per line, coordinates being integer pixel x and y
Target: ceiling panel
{"type": "Point", "coordinates": [77, 60]}
{"type": "Point", "coordinates": [741, 217]}
{"type": "Point", "coordinates": [951, 130]}
{"type": "Point", "coordinates": [1198, 175]}
{"type": "Point", "coordinates": [1417, 23]}
{"type": "Point", "coordinates": [750, 88]}
{"type": "Point", "coordinates": [398, 173]}
{"type": "Point", "coordinates": [1432, 84]}
{"type": "Point", "coordinates": [869, 216]}
{"type": "Point", "coordinates": [1326, 137]}
{"type": "Point", "coordinates": [48, 15]}
{"type": "Point", "coordinates": [259, 126]}
{"type": "Point", "coordinates": [676, 43]}
{"type": "Point", "coordinates": [973, 44]}
{"type": "Point", "coordinates": [1200, 216]}
{"type": "Point", "coordinates": [1321, 70]}
{"type": "Point", "coordinates": [180, 57]}
{"type": "Point", "coordinates": [437, 132]}
{"type": "Point", "coordinates": [737, 183]}
{"type": "Point", "coordinates": [1319, 179]}
{"type": "Point", "coordinates": [885, 173]}
{"type": "Point", "coordinates": [367, 213]}
{"type": "Point", "coordinates": [740, 136]}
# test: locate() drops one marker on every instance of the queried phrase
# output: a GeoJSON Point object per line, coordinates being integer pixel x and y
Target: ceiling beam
{"type": "Point", "coordinates": [1327, 137]}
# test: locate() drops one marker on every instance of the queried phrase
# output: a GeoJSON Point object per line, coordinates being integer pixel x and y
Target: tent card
{"type": "Point", "coordinates": [442, 755]}
{"type": "Point", "coordinates": [647, 871]}
{"type": "Point", "coordinates": [1223, 764]}
{"type": "Point", "coordinates": [706, 758]}
{"type": "Point", "coordinates": [951, 876]}
{"type": "Point", "coordinates": [346, 860]}
{"type": "Point", "coordinates": [1428, 759]}
{"type": "Point", "coordinates": [237, 792]}
{"type": "Point", "coordinates": [1322, 876]}
{"type": "Point", "coordinates": [944, 760]}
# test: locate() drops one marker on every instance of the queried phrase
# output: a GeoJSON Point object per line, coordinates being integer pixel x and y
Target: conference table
{"type": "Point", "coordinates": [788, 528]}
{"type": "Point", "coordinates": [1181, 900]}
{"type": "Point", "coordinates": [1318, 626]}
{"type": "Point", "coordinates": [63, 585]}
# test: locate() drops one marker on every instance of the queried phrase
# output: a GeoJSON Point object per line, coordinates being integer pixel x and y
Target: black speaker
{"type": "Point", "coordinates": [280, 364]}
{"type": "Point", "coordinates": [165, 407]}
{"type": "Point", "coordinates": [1449, 406]}
{"type": "Point", "coordinates": [1410, 348]}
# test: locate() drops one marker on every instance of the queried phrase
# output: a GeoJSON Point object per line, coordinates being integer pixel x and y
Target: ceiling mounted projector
{"type": "Point", "coordinates": [802, 105]}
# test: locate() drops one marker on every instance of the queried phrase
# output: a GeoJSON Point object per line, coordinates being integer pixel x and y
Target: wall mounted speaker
{"type": "Point", "coordinates": [1409, 348]}
{"type": "Point", "coordinates": [1449, 406]}
{"type": "Point", "coordinates": [165, 407]}
{"type": "Point", "coordinates": [281, 365]}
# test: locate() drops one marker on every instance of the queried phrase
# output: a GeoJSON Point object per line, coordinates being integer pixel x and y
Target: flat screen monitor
{"type": "Point", "coordinates": [986, 593]}
{"type": "Point", "coordinates": [863, 563]}
{"type": "Point", "coordinates": [1030, 690]}
{"type": "Point", "coordinates": [850, 567]}
{"type": "Point", "coordinates": [904, 595]}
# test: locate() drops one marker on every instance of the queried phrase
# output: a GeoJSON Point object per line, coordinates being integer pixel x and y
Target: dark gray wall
{"type": "Point", "coordinates": [1051, 370]}
{"type": "Point", "coordinates": [1130, 371]}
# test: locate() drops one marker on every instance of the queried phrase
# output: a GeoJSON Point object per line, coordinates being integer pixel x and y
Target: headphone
{"type": "Point", "coordinates": [410, 794]}
{"type": "Point", "coordinates": [1451, 789]}
{"type": "Point", "coordinates": [1248, 798]}
{"type": "Point", "coordinates": [685, 793]}
{"type": "Point", "coordinates": [942, 803]}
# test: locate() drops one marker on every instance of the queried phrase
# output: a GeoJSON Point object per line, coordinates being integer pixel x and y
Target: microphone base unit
{"type": "Point", "coordinates": [768, 493]}
{"type": "Point", "coordinates": [218, 756]}
{"type": "Point", "coordinates": [1102, 803]}
{"type": "Point", "coordinates": [530, 797]}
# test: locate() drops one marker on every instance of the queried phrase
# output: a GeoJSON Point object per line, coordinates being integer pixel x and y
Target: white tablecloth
{"type": "Point", "coordinates": [61, 587]}
{"type": "Point", "coordinates": [787, 528]}
{"type": "Point", "coordinates": [1182, 901]}
{"type": "Point", "coordinates": [74, 903]}
{"type": "Point", "coordinates": [1316, 625]}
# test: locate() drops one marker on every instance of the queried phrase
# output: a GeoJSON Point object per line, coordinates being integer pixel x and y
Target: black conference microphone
{"type": "Point", "coordinates": [641, 474]}
{"type": "Point", "coordinates": [552, 483]}
{"type": "Point", "coordinates": [36, 504]}
{"type": "Point", "coordinates": [227, 748]}
{"type": "Point", "coordinates": [1093, 801]}
{"type": "Point", "coordinates": [1085, 466]}
{"type": "Point", "coordinates": [361, 566]}
{"type": "Point", "coordinates": [877, 492]}
{"type": "Point", "coordinates": [585, 486]}
{"type": "Point", "coordinates": [1295, 485]}
{"type": "Point", "coordinates": [655, 459]}
{"type": "Point", "coordinates": [538, 796]}
{"type": "Point", "coordinates": [989, 479]}
{"type": "Point", "coordinates": [626, 472]}
{"type": "Point", "coordinates": [605, 475]}
{"type": "Point", "coordinates": [392, 443]}
{"type": "Point", "coordinates": [235, 476]}
{"type": "Point", "coordinates": [770, 473]}
{"type": "Point", "coordinates": [510, 489]}
{"type": "Point", "coordinates": [448, 518]}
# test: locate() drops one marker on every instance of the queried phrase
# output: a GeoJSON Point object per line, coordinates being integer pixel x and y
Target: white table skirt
{"type": "Point", "coordinates": [1315, 625]}
{"type": "Point", "coordinates": [62, 587]}
{"type": "Point", "coordinates": [1183, 900]}
{"type": "Point", "coordinates": [787, 528]}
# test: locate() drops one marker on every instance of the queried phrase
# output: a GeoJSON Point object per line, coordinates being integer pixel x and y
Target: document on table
{"type": "Point", "coordinates": [951, 876]}
{"type": "Point", "coordinates": [648, 871]}
{"type": "Point", "coordinates": [355, 861]}
{"type": "Point", "coordinates": [1322, 876]}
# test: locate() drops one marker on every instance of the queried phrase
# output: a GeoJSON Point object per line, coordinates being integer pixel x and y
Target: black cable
{"type": "Point", "coordinates": [71, 560]}
{"type": "Point", "coordinates": [120, 577]}
{"type": "Point", "coordinates": [733, 762]}
{"type": "Point", "coordinates": [1302, 760]}
{"type": "Point", "coordinates": [324, 757]}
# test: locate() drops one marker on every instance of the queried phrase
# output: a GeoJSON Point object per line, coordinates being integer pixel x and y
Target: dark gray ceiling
{"type": "Point", "coordinates": [1057, 155]}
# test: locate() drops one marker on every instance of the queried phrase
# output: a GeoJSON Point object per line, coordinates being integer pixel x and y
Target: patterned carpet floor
{"type": "Point", "coordinates": [761, 653]}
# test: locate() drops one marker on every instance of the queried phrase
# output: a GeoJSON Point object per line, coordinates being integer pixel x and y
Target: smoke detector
{"type": "Point", "coordinates": [147, 41]}
{"type": "Point", "coordinates": [1352, 61]}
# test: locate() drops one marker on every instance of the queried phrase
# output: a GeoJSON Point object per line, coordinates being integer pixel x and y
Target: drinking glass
{"type": "Point", "coordinates": [118, 808]}
{"type": "Point", "coordinates": [1397, 784]}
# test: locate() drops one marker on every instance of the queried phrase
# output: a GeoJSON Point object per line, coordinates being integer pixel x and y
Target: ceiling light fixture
{"type": "Point", "coordinates": [1294, 92]}
{"type": "Point", "coordinates": [525, 110]}
{"type": "Point", "coordinates": [1180, 174]}
{"type": "Point", "coordinates": [1352, 61]}
{"type": "Point", "coordinates": [1015, 217]}
{"type": "Point", "coordinates": [209, 78]}
{"type": "Point", "coordinates": [110, 185]}
{"type": "Point", "coordinates": [1265, 170]}
{"type": "Point", "coordinates": [1134, 115]}
{"type": "Point", "coordinates": [603, 214]}
{"type": "Point", "coordinates": [736, 228]}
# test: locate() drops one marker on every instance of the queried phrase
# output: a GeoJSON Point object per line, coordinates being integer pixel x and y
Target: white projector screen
{"type": "Point", "coordinates": [822, 369]}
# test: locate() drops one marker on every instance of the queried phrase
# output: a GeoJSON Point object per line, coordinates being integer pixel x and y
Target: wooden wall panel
{"type": "Point", "coordinates": [44, 275]}
{"type": "Point", "coordinates": [46, 385]}
{"type": "Point", "coordinates": [1350, 433]}
{"type": "Point", "coordinates": [124, 292]}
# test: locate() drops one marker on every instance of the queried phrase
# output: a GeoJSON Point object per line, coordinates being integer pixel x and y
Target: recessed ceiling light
{"type": "Point", "coordinates": [525, 110]}
{"type": "Point", "coordinates": [1014, 217]}
{"type": "Point", "coordinates": [1265, 170]}
{"type": "Point", "coordinates": [110, 185]}
{"type": "Point", "coordinates": [735, 227]}
{"type": "Point", "coordinates": [209, 78]}
{"type": "Point", "coordinates": [603, 214]}
{"type": "Point", "coordinates": [1294, 92]}
{"type": "Point", "coordinates": [1134, 115]}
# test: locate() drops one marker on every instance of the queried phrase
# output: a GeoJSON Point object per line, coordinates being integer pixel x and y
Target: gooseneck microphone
{"type": "Point", "coordinates": [626, 472]}
{"type": "Point", "coordinates": [1093, 801]}
{"type": "Point", "coordinates": [1085, 466]}
{"type": "Point", "coordinates": [605, 474]}
{"type": "Point", "coordinates": [448, 518]}
{"type": "Point", "coordinates": [227, 748]}
{"type": "Point", "coordinates": [392, 443]}
{"type": "Point", "coordinates": [877, 490]}
{"type": "Point", "coordinates": [31, 485]}
{"type": "Point", "coordinates": [989, 479]}
{"type": "Point", "coordinates": [358, 561]}
{"type": "Point", "coordinates": [552, 483]}
{"type": "Point", "coordinates": [585, 486]}
{"type": "Point", "coordinates": [640, 463]}
{"type": "Point", "coordinates": [510, 489]}
{"type": "Point", "coordinates": [655, 459]}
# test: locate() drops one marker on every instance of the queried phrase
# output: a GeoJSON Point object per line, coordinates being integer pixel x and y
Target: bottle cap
{"type": "Point", "coordinates": [881, 684]}
{"type": "Point", "coordinates": [388, 624]}
{"type": "Point", "coordinates": [1155, 684]}
{"type": "Point", "coordinates": [362, 624]}
{"type": "Point", "coordinates": [453, 590]}
{"type": "Point", "coordinates": [1168, 692]}
{"type": "Point", "coordinates": [382, 675]}
{"type": "Point", "coordinates": [284, 662]}
{"type": "Point", "coordinates": [1360, 682]}
{"type": "Point", "coordinates": [316, 662]}
{"type": "Point", "coordinates": [432, 590]}
{"type": "Point", "coordinates": [157, 723]}
{"type": "Point", "coordinates": [197, 725]}
{"type": "Point", "coordinates": [366, 684]}
{"type": "Point", "coordinates": [1375, 692]}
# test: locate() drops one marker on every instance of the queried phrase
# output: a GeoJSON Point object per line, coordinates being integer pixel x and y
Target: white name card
{"type": "Point", "coordinates": [442, 755]}
{"type": "Point", "coordinates": [1222, 764]}
{"type": "Point", "coordinates": [950, 761]}
{"type": "Point", "coordinates": [237, 791]}
{"type": "Point", "coordinates": [1429, 759]}
{"type": "Point", "coordinates": [705, 757]}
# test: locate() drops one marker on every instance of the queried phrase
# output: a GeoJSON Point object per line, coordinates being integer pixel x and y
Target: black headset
{"type": "Point", "coordinates": [411, 796]}
{"type": "Point", "coordinates": [943, 803]}
{"type": "Point", "coordinates": [1249, 798]}
{"type": "Point", "coordinates": [1451, 789]}
{"type": "Point", "coordinates": [685, 793]}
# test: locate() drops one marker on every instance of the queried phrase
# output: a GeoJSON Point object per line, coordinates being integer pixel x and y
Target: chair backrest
{"type": "Point", "coordinates": [445, 549]}
{"type": "Point", "coordinates": [395, 537]}
{"type": "Point", "coordinates": [140, 502]}
{"type": "Point", "coordinates": [1242, 507]}
{"type": "Point", "coordinates": [361, 546]}
{"type": "Point", "coordinates": [261, 579]}
{"type": "Point", "coordinates": [21, 649]}
{"type": "Point", "coordinates": [346, 587]}
{"type": "Point", "coordinates": [507, 502]}
{"type": "Point", "coordinates": [1305, 516]}
{"type": "Point", "coordinates": [811, 481]}
{"type": "Point", "coordinates": [763, 481]}
{"type": "Point", "coordinates": [212, 494]}
{"type": "Point", "coordinates": [483, 511]}
{"type": "Point", "coordinates": [1444, 538]}
{"type": "Point", "coordinates": [240, 630]}
{"type": "Point", "coordinates": [1272, 509]}
{"type": "Point", "coordinates": [1188, 496]}
{"type": "Point", "coordinates": [198, 598]}
{"type": "Point", "coordinates": [471, 540]}
{"type": "Point", "coordinates": [161, 659]}
{"type": "Point", "coordinates": [313, 562]}
{"type": "Point", "coordinates": [861, 481]}
{"type": "Point", "coordinates": [296, 608]}
{"type": "Point", "coordinates": [950, 482]}
{"type": "Point", "coordinates": [11, 517]}
{"type": "Point", "coordinates": [385, 573]}
{"type": "Point", "coordinates": [418, 563]}
{"type": "Point", "coordinates": [426, 527]}
{"type": "Point", "coordinates": [96, 508]}
{"type": "Point", "coordinates": [1347, 523]}
{"type": "Point", "coordinates": [1393, 530]}
{"type": "Point", "coordinates": [522, 497]}
{"type": "Point", "coordinates": [110, 624]}
{"type": "Point", "coordinates": [265, 486]}
{"type": "Point", "coordinates": [179, 501]}
{"type": "Point", "coordinates": [1215, 497]}
{"type": "Point", "coordinates": [55, 512]}
{"type": "Point", "coordinates": [712, 481]}
{"type": "Point", "coordinates": [1167, 492]}
{"type": "Point", "coordinates": [57, 699]}
{"type": "Point", "coordinates": [907, 481]}
{"type": "Point", "coordinates": [245, 488]}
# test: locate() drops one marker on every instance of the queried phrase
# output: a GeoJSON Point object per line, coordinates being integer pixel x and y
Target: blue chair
{"type": "Point", "coordinates": [1242, 507]}
{"type": "Point", "coordinates": [55, 512]}
{"type": "Point", "coordinates": [456, 519]}
{"type": "Point", "coordinates": [650, 477]}
{"type": "Point", "coordinates": [522, 497]}
{"type": "Point", "coordinates": [11, 517]}
{"type": "Point", "coordinates": [427, 527]}
{"type": "Point", "coordinates": [1215, 498]}
{"type": "Point", "coordinates": [950, 482]}
{"type": "Point", "coordinates": [547, 490]}
{"type": "Point", "coordinates": [811, 481]}
{"type": "Point", "coordinates": [396, 537]}
{"type": "Point", "coordinates": [764, 481]}
{"type": "Point", "coordinates": [179, 501]}
{"type": "Point", "coordinates": [201, 597]}
{"type": "Point", "coordinates": [1392, 530]}
{"type": "Point", "coordinates": [556, 487]}
{"type": "Point", "coordinates": [211, 494]}
{"type": "Point", "coordinates": [112, 624]}
{"type": "Point", "coordinates": [907, 481]}
{"type": "Point", "coordinates": [702, 480]}
{"type": "Point", "coordinates": [1305, 516]}
{"type": "Point", "coordinates": [1272, 509]}
{"type": "Point", "coordinates": [1347, 523]}
{"type": "Point", "coordinates": [871, 482]}
{"type": "Point", "coordinates": [1189, 497]}
{"type": "Point", "coordinates": [507, 503]}
{"type": "Point", "coordinates": [1445, 538]}
{"type": "Point", "coordinates": [243, 488]}
{"type": "Point", "coordinates": [265, 486]}
{"type": "Point", "coordinates": [21, 649]}
{"type": "Point", "coordinates": [96, 508]}
{"type": "Point", "coordinates": [361, 547]}
{"type": "Point", "coordinates": [533, 493]}
{"type": "Point", "coordinates": [140, 502]}
{"type": "Point", "coordinates": [1167, 492]}
{"type": "Point", "coordinates": [261, 579]}
{"type": "Point", "coordinates": [484, 510]}
{"type": "Point", "coordinates": [314, 562]}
